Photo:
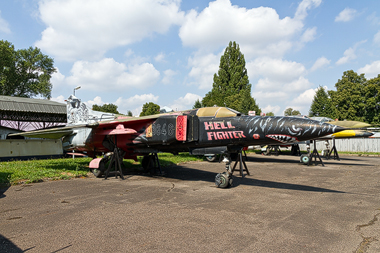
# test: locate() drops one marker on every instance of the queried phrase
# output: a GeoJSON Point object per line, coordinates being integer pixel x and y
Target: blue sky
{"type": "Point", "coordinates": [167, 51]}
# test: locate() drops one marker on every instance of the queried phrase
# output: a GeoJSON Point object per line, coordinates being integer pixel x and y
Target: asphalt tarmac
{"type": "Point", "coordinates": [283, 206]}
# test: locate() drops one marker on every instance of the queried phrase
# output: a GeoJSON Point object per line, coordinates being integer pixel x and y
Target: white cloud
{"type": "Point", "coordinates": [304, 6]}
{"type": "Point", "coordinates": [346, 15]}
{"type": "Point", "coordinates": [128, 53]}
{"type": "Point", "coordinates": [81, 29]}
{"type": "Point", "coordinates": [97, 101]}
{"type": "Point", "coordinates": [371, 70]}
{"type": "Point", "coordinates": [203, 68]}
{"type": "Point", "coordinates": [276, 70]}
{"type": "Point", "coordinates": [309, 35]}
{"type": "Point", "coordinates": [349, 54]}
{"type": "Point", "coordinates": [168, 75]}
{"type": "Point", "coordinates": [319, 63]}
{"type": "Point", "coordinates": [304, 100]}
{"type": "Point", "coordinates": [135, 103]}
{"type": "Point", "coordinates": [275, 109]}
{"type": "Point", "coordinates": [60, 99]}
{"type": "Point", "coordinates": [4, 26]}
{"type": "Point", "coordinates": [186, 102]}
{"type": "Point", "coordinates": [113, 75]}
{"type": "Point", "coordinates": [278, 82]}
{"type": "Point", "coordinates": [160, 57]}
{"type": "Point", "coordinates": [57, 78]}
{"type": "Point", "coordinates": [259, 31]}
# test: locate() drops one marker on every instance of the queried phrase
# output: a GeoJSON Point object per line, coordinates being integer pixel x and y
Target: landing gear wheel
{"type": "Point", "coordinates": [305, 159]}
{"type": "Point", "coordinates": [99, 171]}
{"type": "Point", "coordinates": [222, 180]}
{"type": "Point", "coordinates": [145, 163]}
{"type": "Point", "coordinates": [211, 158]}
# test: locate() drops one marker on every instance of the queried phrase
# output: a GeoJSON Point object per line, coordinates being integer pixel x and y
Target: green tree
{"type": "Point", "coordinates": [290, 112]}
{"type": "Point", "coordinates": [269, 114]}
{"type": "Point", "coordinates": [371, 93]}
{"type": "Point", "coordinates": [349, 99]}
{"type": "Point", "coordinates": [129, 113]}
{"type": "Point", "coordinates": [197, 104]}
{"type": "Point", "coordinates": [231, 86]}
{"type": "Point", "coordinates": [110, 108]}
{"type": "Point", "coordinates": [150, 109]}
{"type": "Point", "coordinates": [322, 105]}
{"type": "Point", "coordinates": [24, 72]}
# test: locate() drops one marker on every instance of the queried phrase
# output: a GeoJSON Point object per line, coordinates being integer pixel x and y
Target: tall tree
{"type": "Point", "coordinates": [371, 92]}
{"type": "Point", "coordinates": [150, 109]}
{"type": "Point", "coordinates": [349, 98]}
{"type": "Point", "coordinates": [24, 72]}
{"type": "Point", "coordinates": [111, 108]}
{"type": "Point", "coordinates": [321, 105]}
{"type": "Point", "coordinates": [231, 86]}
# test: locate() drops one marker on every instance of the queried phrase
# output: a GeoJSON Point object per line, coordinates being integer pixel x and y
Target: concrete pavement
{"type": "Point", "coordinates": [283, 206]}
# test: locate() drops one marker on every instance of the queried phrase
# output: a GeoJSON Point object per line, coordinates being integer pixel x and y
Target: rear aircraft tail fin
{"type": "Point", "coordinates": [79, 113]}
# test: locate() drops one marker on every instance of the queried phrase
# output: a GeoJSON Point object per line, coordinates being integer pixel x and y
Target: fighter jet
{"type": "Point", "coordinates": [197, 131]}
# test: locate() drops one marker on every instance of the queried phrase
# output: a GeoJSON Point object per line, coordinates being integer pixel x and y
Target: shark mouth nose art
{"type": "Point", "coordinates": [282, 138]}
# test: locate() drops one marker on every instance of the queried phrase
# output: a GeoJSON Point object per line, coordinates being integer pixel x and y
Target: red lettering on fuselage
{"type": "Point", "coordinates": [209, 126]}
{"type": "Point", "coordinates": [225, 135]}
{"type": "Point", "coordinates": [216, 125]}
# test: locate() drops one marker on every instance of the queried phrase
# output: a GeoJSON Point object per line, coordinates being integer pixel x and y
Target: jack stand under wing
{"type": "Point", "coordinates": [151, 162]}
{"type": "Point", "coordinates": [241, 162]}
{"type": "Point", "coordinates": [315, 154]}
{"type": "Point", "coordinates": [333, 150]}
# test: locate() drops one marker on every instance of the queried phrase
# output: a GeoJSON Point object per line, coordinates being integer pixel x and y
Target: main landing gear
{"type": "Point", "coordinates": [224, 180]}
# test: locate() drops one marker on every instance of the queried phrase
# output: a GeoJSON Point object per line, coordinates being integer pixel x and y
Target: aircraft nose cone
{"type": "Point", "coordinates": [335, 129]}
{"type": "Point", "coordinates": [367, 134]}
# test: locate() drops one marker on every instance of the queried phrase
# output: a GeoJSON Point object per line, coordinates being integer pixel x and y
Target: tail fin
{"type": "Point", "coordinates": [79, 113]}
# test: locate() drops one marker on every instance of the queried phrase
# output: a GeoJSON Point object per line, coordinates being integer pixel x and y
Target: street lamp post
{"type": "Point", "coordinates": [76, 88]}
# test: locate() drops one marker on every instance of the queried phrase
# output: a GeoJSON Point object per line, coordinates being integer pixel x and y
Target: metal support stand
{"type": "Point", "coordinates": [315, 154]}
{"type": "Point", "coordinates": [116, 160]}
{"type": "Point", "coordinates": [155, 163]}
{"type": "Point", "coordinates": [335, 151]}
{"type": "Point", "coordinates": [295, 150]}
{"type": "Point", "coordinates": [241, 162]}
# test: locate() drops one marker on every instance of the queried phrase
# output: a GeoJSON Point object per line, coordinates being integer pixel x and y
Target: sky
{"type": "Point", "coordinates": [130, 52]}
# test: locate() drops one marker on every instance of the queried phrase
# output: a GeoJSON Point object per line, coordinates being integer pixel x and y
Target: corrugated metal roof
{"type": "Point", "coordinates": [31, 105]}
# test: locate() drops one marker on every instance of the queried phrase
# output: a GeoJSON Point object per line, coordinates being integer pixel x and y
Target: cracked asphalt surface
{"type": "Point", "coordinates": [283, 206]}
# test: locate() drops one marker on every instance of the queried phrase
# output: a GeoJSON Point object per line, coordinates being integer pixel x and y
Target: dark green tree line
{"type": "Point", "coordinates": [355, 98]}
{"type": "Point", "coordinates": [110, 108]}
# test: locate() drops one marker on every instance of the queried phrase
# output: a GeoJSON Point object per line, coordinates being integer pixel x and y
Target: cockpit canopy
{"type": "Point", "coordinates": [217, 112]}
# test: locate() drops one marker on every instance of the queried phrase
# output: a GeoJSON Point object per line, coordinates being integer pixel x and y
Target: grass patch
{"type": "Point", "coordinates": [32, 171]}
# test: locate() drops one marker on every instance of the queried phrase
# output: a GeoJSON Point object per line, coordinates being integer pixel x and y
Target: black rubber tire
{"type": "Point", "coordinates": [305, 159]}
{"type": "Point", "coordinates": [100, 171]}
{"type": "Point", "coordinates": [211, 158]}
{"type": "Point", "coordinates": [222, 180]}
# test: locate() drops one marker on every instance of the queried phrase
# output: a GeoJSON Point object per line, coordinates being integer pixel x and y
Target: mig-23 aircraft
{"type": "Point", "coordinates": [197, 131]}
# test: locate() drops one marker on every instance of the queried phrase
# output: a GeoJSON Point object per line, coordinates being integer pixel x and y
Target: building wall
{"type": "Point", "coordinates": [350, 145]}
{"type": "Point", "coordinates": [29, 149]}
